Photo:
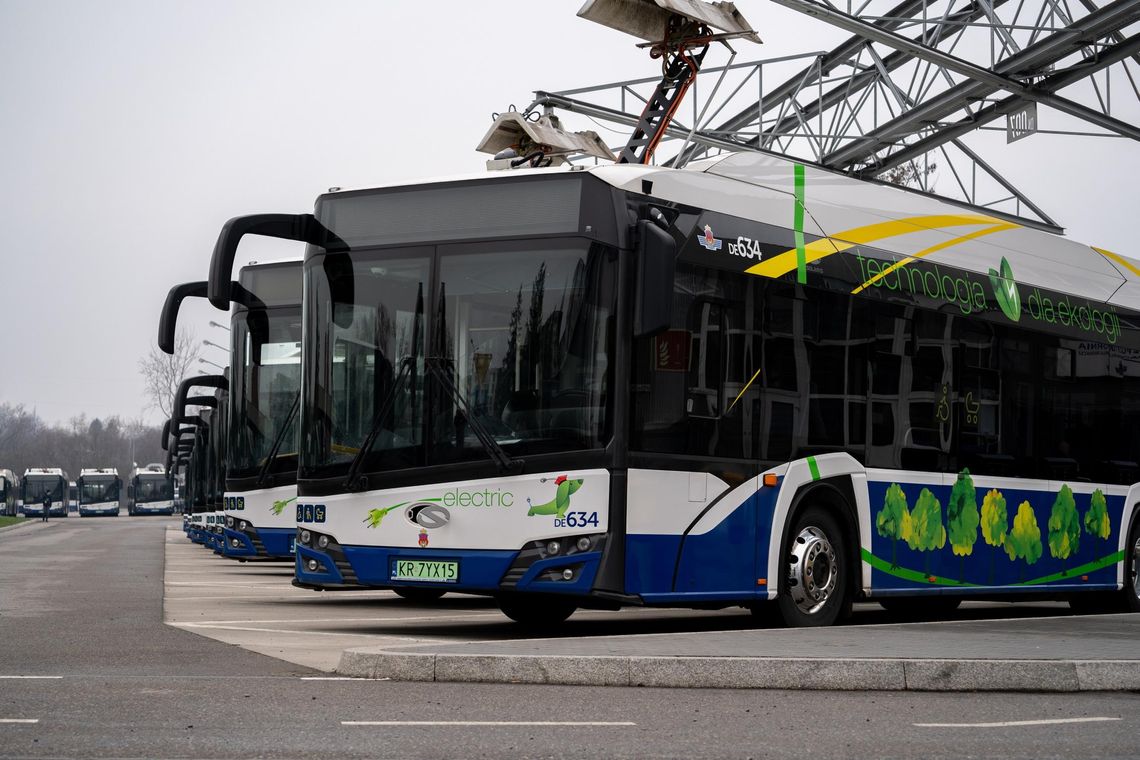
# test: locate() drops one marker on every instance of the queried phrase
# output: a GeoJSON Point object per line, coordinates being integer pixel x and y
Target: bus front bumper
{"type": "Point", "coordinates": [480, 571]}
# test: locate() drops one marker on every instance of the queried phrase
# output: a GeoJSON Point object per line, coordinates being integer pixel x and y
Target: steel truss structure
{"type": "Point", "coordinates": [899, 95]}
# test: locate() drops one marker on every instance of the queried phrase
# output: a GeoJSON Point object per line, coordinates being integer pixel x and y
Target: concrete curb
{"type": "Point", "coordinates": [846, 674]}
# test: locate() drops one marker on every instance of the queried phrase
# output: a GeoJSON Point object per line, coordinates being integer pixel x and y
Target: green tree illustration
{"type": "Point", "coordinates": [995, 523]}
{"type": "Point", "coordinates": [893, 520]}
{"type": "Point", "coordinates": [1064, 527]}
{"type": "Point", "coordinates": [926, 530]}
{"type": "Point", "coordinates": [962, 519]}
{"type": "Point", "coordinates": [1097, 522]}
{"type": "Point", "coordinates": [1024, 541]}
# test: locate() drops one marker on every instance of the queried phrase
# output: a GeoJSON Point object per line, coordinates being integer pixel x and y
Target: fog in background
{"type": "Point", "coordinates": [130, 130]}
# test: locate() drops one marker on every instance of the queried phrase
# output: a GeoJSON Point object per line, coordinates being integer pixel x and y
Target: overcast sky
{"type": "Point", "coordinates": [130, 130]}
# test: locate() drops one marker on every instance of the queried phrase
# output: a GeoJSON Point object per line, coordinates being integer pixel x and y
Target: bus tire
{"type": "Point", "coordinates": [815, 591]}
{"type": "Point", "coordinates": [1131, 591]}
{"type": "Point", "coordinates": [536, 612]}
{"type": "Point", "coordinates": [419, 594]}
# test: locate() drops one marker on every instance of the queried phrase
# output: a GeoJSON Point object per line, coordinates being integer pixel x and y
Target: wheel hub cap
{"type": "Point", "coordinates": [812, 571]}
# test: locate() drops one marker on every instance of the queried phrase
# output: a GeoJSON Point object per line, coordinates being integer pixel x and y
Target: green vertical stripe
{"type": "Point", "coordinates": [814, 468]}
{"type": "Point", "coordinates": [801, 255]}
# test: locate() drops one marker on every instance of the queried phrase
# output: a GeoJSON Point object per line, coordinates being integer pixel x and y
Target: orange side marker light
{"type": "Point", "coordinates": [770, 480]}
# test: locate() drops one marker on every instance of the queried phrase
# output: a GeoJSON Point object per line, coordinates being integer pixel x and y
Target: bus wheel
{"type": "Point", "coordinates": [816, 585]}
{"type": "Point", "coordinates": [1132, 570]}
{"type": "Point", "coordinates": [419, 594]}
{"type": "Point", "coordinates": [536, 612]}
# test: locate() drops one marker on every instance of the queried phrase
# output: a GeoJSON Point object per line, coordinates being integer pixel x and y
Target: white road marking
{"type": "Point", "coordinates": [341, 678]}
{"type": "Point", "coordinates": [33, 678]}
{"type": "Point", "coordinates": [19, 720]}
{"type": "Point", "coordinates": [584, 723]}
{"type": "Point", "coordinates": [1006, 724]}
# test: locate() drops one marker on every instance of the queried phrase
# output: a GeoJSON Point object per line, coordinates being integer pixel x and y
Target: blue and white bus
{"type": "Point", "coordinates": [261, 467]}
{"type": "Point", "coordinates": [99, 491]}
{"type": "Point", "coordinates": [151, 491]}
{"type": "Point", "coordinates": [40, 481]}
{"type": "Point", "coordinates": [9, 493]}
{"type": "Point", "coordinates": [749, 382]}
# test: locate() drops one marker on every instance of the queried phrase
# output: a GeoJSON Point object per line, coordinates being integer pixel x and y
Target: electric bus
{"type": "Point", "coordinates": [9, 493]}
{"type": "Point", "coordinates": [261, 467]}
{"type": "Point", "coordinates": [151, 491]}
{"type": "Point", "coordinates": [750, 382]}
{"type": "Point", "coordinates": [40, 481]}
{"type": "Point", "coordinates": [99, 492]}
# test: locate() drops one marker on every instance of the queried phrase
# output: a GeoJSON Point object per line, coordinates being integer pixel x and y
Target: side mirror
{"type": "Point", "coordinates": [304, 228]}
{"type": "Point", "coordinates": [168, 322]}
{"type": "Point", "coordinates": [656, 264]}
{"type": "Point", "coordinates": [338, 272]}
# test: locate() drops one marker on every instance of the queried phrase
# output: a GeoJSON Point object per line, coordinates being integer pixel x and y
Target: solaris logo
{"type": "Point", "coordinates": [1005, 291]}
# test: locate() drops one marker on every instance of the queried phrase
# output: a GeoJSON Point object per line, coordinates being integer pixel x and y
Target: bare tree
{"type": "Point", "coordinates": [910, 175]}
{"type": "Point", "coordinates": [162, 373]}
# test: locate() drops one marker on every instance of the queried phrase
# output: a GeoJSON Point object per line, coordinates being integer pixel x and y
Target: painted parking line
{"type": "Point", "coordinates": [1008, 723]}
{"type": "Point", "coordinates": [30, 678]}
{"type": "Point", "coordinates": [341, 678]}
{"type": "Point", "coordinates": [581, 723]}
{"type": "Point", "coordinates": [20, 720]}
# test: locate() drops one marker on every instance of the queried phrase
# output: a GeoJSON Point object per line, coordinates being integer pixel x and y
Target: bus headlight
{"type": "Point", "coordinates": [312, 565]}
{"type": "Point", "coordinates": [305, 536]}
{"type": "Point", "coordinates": [229, 522]}
{"type": "Point", "coordinates": [323, 541]}
{"type": "Point", "coordinates": [583, 544]}
{"type": "Point", "coordinates": [241, 525]}
{"type": "Point", "coordinates": [553, 547]}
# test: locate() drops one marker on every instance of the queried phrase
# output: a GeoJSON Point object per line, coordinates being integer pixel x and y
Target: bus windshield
{"type": "Point", "coordinates": [96, 490]}
{"type": "Point", "coordinates": [440, 353]}
{"type": "Point", "coordinates": [36, 486]}
{"type": "Point", "coordinates": [266, 380]}
{"type": "Point", "coordinates": [153, 488]}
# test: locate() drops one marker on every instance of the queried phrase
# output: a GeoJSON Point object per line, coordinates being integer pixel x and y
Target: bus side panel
{"type": "Point", "coordinates": [1029, 535]}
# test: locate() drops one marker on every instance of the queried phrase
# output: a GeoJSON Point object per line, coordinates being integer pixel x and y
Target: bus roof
{"type": "Point", "coordinates": [88, 472]}
{"type": "Point", "coordinates": [842, 212]}
{"type": "Point", "coordinates": [33, 471]}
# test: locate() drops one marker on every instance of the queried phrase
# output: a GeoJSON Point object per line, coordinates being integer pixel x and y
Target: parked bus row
{"type": "Point", "coordinates": [97, 491]}
{"type": "Point", "coordinates": [749, 382]}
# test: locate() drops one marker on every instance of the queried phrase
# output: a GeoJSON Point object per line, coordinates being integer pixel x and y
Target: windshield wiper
{"type": "Point", "coordinates": [377, 422]}
{"type": "Point", "coordinates": [504, 461]}
{"type": "Point", "coordinates": [278, 440]}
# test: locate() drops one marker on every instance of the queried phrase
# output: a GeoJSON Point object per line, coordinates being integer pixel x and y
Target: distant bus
{"type": "Point", "coordinates": [72, 495]}
{"type": "Point", "coordinates": [99, 491]}
{"type": "Point", "coordinates": [9, 493]}
{"type": "Point", "coordinates": [150, 491]}
{"type": "Point", "coordinates": [41, 481]}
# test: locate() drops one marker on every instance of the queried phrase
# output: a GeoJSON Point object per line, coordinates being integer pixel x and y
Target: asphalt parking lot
{"type": "Point", "coordinates": [982, 646]}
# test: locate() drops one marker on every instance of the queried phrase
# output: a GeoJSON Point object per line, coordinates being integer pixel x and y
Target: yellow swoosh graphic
{"type": "Point", "coordinates": [1118, 259]}
{"type": "Point", "coordinates": [785, 262]}
{"type": "Point", "coordinates": [934, 249]}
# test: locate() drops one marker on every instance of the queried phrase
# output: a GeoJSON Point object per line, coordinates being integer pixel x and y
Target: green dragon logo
{"type": "Point", "coordinates": [1005, 291]}
{"type": "Point", "coordinates": [561, 501]}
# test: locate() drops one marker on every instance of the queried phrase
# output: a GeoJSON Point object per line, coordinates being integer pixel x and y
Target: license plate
{"type": "Point", "coordinates": [425, 570]}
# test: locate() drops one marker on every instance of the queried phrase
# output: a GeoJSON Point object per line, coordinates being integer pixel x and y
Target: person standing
{"type": "Point", "coordinates": [47, 505]}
